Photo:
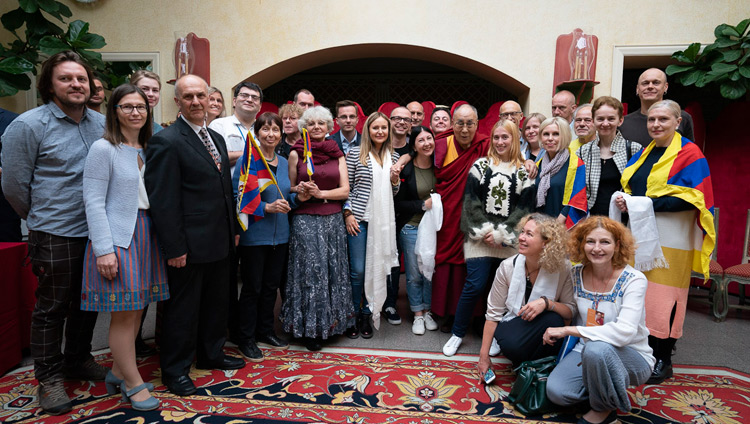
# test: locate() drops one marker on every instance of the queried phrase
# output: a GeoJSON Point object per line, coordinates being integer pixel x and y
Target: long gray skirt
{"type": "Point", "coordinates": [318, 299]}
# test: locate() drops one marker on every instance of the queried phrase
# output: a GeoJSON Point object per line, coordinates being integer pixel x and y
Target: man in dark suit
{"type": "Point", "coordinates": [189, 189]}
{"type": "Point", "coordinates": [347, 118]}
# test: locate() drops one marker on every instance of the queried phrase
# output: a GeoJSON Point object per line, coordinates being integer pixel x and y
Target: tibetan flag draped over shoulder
{"type": "Point", "coordinates": [307, 153]}
{"type": "Point", "coordinates": [255, 176]}
{"type": "Point", "coordinates": [682, 172]}
{"type": "Point", "coordinates": [575, 191]}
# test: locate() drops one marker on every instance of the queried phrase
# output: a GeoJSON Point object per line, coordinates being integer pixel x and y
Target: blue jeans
{"type": "Point", "coordinates": [478, 272]}
{"type": "Point", "coordinates": [418, 288]}
{"type": "Point", "coordinates": [357, 256]}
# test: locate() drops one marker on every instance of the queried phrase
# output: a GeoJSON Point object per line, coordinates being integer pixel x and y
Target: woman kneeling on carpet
{"type": "Point", "coordinates": [531, 292]}
{"type": "Point", "coordinates": [612, 352]}
{"type": "Point", "coordinates": [123, 269]}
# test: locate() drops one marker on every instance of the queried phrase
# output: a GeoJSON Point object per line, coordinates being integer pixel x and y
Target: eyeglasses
{"type": "Point", "coordinates": [467, 124]}
{"type": "Point", "coordinates": [399, 119]}
{"type": "Point", "coordinates": [128, 109]}
{"type": "Point", "coordinates": [347, 117]}
{"type": "Point", "coordinates": [506, 115]}
{"type": "Point", "coordinates": [245, 96]}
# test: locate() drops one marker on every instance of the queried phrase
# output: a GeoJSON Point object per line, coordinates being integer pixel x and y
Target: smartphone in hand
{"type": "Point", "coordinates": [489, 376]}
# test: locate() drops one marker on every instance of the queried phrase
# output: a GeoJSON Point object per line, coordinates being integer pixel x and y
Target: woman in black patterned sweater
{"type": "Point", "coordinates": [498, 194]}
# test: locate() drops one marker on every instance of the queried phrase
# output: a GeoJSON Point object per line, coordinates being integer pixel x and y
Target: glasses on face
{"type": "Point", "coordinates": [507, 115]}
{"type": "Point", "coordinates": [245, 96]}
{"type": "Point", "coordinates": [400, 119]}
{"type": "Point", "coordinates": [467, 124]}
{"type": "Point", "coordinates": [128, 109]}
{"type": "Point", "coordinates": [347, 117]}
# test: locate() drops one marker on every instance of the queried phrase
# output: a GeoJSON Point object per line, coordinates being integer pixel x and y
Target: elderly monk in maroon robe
{"type": "Point", "coordinates": [454, 155]}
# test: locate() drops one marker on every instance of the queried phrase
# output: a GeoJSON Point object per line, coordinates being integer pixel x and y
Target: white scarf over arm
{"type": "Point", "coordinates": [642, 223]}
{"type": "Point", "coordinates": [426, 245]}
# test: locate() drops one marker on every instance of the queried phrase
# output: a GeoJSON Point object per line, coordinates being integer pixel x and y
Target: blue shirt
{"type": "Point", "coordinates": [43, 156]}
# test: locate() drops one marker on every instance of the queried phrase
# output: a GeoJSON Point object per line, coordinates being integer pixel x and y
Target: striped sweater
{"type": "Point", "coordinates": [360, 182]}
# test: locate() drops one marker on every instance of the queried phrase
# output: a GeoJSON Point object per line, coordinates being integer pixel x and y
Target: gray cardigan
{"type": "Point", "coordinates": [110, 194]}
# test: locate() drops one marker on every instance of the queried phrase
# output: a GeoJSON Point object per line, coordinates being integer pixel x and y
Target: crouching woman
{"type": "Point", "coordinates": [612, 352]}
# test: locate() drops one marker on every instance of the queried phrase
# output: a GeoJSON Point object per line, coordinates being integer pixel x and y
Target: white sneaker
{"type": "Point", "coordinates": [429, 322]}
{"type": "Point", "coordinates": [451, 347]}
{"type": "Point", "coordinates": [418, 326]}
{"type": "Point", "coordinates": [495, 348]}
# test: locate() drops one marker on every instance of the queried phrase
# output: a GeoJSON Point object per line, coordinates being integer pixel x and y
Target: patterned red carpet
{"type": "Point", "coordinates": [367, 386]}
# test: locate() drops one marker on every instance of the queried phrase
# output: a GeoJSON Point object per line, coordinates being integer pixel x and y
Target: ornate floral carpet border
{"type": "Point", "coordinates": [341, 385]}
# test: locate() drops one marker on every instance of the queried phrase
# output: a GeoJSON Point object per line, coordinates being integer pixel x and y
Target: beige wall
{"type": "Point", "coordinates": [507, 44]}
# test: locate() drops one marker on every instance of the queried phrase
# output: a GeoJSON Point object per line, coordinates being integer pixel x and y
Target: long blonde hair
{"type": "Point", "coordinates": [514, 151]}
{"type": "Point", "coordinates": [365, 146]}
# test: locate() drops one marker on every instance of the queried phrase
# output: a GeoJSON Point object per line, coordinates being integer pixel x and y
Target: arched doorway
{"type": "Point", "coordinates": [374, 73]}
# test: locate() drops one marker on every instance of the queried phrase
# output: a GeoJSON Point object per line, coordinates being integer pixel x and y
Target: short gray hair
{"type": "Point", "coordinates": [575, 114]}
{"type": "Point", "coordinates": [316, 113]}
{"type": "Point", "coordinates": [670, 105]}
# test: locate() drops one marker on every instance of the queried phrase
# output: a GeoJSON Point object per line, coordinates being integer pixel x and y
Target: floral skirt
{"type": "Point", "coordinates": [141, 274]}
{"type": "Point", "coordinates": [318, 299]}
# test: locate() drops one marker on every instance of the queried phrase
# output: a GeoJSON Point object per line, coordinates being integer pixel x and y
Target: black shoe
{"type": "Point", "coordinates": [251, 352]}
{"type": "Point", "coordinates": [88, 370]}
{"type": "Point", "coordinates": [365, 327]}
{"type": "Point", "coordinates": [143, 350]}
{"type": "Point", "coordinates": [612, 417]}
{"type": "Point", "coordinates": [226, 363]}
{"type": "Point", "coordinates": [352, 332]}
{"type": "Point", "coordinates": [270, 341]}
{"type": "Point", "coordinates": [662, 371]}
{"type": "Point", "coordinates": [392, 316]}
{"type": "Point", "coordinates": [181, 386]}
{"type": "Point", "coordinates": [312, 344]}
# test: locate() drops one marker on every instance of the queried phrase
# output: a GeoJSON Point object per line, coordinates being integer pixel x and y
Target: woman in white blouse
{"type": "Point", "coordinates": [612, 352]}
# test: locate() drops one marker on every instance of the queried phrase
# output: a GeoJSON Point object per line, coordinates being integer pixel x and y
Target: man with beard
{"type": "Point", "coordinates": [43, 156]}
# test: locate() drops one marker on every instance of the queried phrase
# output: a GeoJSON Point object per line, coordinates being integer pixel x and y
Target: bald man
{"type": "Point", "coordinates": [511, 110]}
{"type": "Point", "coordinates": [563, 105]}
{"type": "Point", "coordinates": [193, 214]}
{"type": "Point", "coordinates": [651, 88]}
{"type": "Point", "coordinates": [417, 112]}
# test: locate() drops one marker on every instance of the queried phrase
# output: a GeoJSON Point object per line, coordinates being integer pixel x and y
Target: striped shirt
{"type": "Point", "coordinates": [360, 182]}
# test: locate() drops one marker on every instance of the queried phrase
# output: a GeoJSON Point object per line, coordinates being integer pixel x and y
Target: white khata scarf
{"type": "Point", "coordinates": [382, 254]}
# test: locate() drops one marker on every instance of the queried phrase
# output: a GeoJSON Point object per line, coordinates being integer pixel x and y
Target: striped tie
{"type": "Point", "coordinates": [210, 147]}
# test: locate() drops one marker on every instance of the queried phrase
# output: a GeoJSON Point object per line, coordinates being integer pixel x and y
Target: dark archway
{"type": "Point", "coordinates": [374, 73]}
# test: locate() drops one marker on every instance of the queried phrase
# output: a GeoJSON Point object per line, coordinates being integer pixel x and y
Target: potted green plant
{"type": "Point", "coordinates": [725, 63]}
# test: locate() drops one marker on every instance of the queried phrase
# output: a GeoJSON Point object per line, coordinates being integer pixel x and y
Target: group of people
{"type": "Point", "coordinates": [488, 224]}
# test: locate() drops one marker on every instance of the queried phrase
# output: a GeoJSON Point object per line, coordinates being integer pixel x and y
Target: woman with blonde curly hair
{"type": "Point", "coordinates": [532, 291]}
{"type": "Point", "coordinates": [612, 351]}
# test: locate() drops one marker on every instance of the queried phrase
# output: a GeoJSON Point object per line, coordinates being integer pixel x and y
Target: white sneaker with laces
{"type": "Point", "coordinates": [418, 326]}
{"type": "Point", "coordinates": [451, 347]}
{"type": "Point", "coordinates": [495, 348]}
{"type": "Point", "coordinates": [429, 322]}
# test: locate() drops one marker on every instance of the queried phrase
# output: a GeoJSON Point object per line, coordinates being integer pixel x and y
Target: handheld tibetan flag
{"type": "Point", "coordinates": [307, 153]}
{"type": "Point", "coordinates": [575, 191]}
{"type": "Point", "coordinates": [255, 176]}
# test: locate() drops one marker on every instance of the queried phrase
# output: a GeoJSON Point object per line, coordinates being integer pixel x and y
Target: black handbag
{"type": "Point", "coordinates": [529, 392]}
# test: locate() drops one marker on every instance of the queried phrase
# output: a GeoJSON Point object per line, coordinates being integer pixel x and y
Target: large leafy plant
{"type": "Point", "coordinates": [725, 63]}
{"type": "Point", "coordinates": [43, 37]}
